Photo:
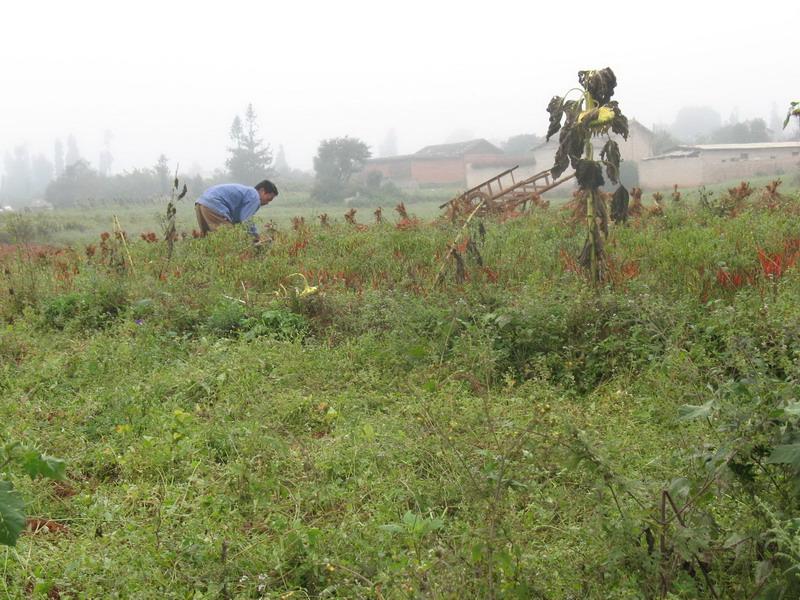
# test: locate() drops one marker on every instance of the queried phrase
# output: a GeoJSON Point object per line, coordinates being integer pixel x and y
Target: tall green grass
{"type": "Point", "coordinates": [505, 437]}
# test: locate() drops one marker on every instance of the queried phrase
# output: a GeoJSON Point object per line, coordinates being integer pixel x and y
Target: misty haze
{"type": "Point", "coordinates": [399, 300]}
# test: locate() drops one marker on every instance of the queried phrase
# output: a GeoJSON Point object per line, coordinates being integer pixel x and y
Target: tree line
{"type": "Point", "coordinates": [71, 180]}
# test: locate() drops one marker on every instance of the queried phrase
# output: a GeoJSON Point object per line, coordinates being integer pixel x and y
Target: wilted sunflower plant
{"type": "Point", "coordinates": [591, 115]}
{"type": "Point", "coordinates": [794, 111]}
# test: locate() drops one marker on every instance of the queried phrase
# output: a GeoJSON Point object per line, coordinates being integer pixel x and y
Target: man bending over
{"type": "Point", "coordinates": [232, 203]}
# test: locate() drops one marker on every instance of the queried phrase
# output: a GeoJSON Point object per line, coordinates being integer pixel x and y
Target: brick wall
{"type": "Point", "coordinates": [438, 171]}
{"type": "Point", "coordinates": [396, 170]}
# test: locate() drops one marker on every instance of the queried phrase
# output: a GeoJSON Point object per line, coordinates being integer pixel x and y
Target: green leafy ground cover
{"type": "Point", "coordinates": [517, 435]}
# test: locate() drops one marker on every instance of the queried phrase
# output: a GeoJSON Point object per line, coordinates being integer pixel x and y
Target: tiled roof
{"type": "Point", "coordinates": [479, 146]}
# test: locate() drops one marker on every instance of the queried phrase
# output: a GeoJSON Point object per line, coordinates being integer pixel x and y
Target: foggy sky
{"type": "Point", "coordinates": [168, 77]}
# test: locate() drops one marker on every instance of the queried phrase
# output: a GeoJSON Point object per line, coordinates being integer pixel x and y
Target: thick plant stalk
{"type": "Point", "coordinates": [118, 232]}
{"type": "Point", "coordinates": [440, 274]}
{"type": "Point", "coordinates": [594, 270]}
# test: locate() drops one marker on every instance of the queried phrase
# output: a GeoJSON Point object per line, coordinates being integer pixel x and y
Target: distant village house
{"type": "Point", "coordinates": [715, 163]}
{"type": "Point", "coordinates": [468, 164]}
{"type": "Point", "coordinates": [462, 164]}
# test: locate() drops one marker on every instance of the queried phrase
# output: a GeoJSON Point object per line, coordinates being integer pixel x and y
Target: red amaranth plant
{"type": "Point", "coordinates": [771, 198]}
{"type": "Point", "coordinates": [636, 208]}
{"type": "Point", "coordinates": [733, 280]}
{"type": "Point", "coordinates": [658, 208]}
{"type": "Point", "coordinates": [350, 216]}
{"type": "Point", "coordinates": [774, 265]}
{"type": "Point", "coordinates": [401, 210]}
{"type": "Point", "coordinates": [299, 245]}
{"type": "Point", "coordinates": [741, 192]}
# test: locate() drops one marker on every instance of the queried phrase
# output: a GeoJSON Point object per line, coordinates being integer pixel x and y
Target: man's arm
{"type": "Point", "coordinates": [249, 207]}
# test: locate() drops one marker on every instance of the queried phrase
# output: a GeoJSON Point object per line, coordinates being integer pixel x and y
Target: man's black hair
{"type": "Point", "coordinates": [268, 187]}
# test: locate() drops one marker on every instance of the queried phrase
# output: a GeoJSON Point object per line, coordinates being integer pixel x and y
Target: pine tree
{"type": "Point", "coordinates": [250, 159]}
{"type": "Point", "coordinates": [58, 157]}
{"type": "Point", "coordinates": [281, 165]}
{"type": "Point", "coordinates": [161, 170]}
{"type": "Point", "coordinates": [106, 158]}
{"type": "Point", "coordinates": [73, 155]}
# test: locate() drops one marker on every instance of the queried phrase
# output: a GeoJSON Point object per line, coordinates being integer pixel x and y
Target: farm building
{"type": "Point", "coordinates": [479, 170]}
{"type": "Point", "coordinates": [460, 164]}
{"type": "Point", "coordinates": [716, 163]}
{"type": "Point", "coordinates": [638, 146]}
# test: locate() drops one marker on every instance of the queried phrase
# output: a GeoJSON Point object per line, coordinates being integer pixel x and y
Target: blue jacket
{"type": "Point", "coordinates": [233, 201]}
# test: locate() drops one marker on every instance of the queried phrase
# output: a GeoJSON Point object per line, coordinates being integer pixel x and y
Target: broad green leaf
{"type": "Point", "coordinates": [792, 409]}
{"type": "Point", "coordinates": [503, 320]}
{"type": "Point", "coordinates": [410, 518]}
{"type": "Point", "coordinates": [12, 514]}
{"type": "Point", "coordinates": [369, 432]}
{"type": "Point", "coordinates": [734, 540]}
{"type": "Point", "coordinates": [417, 352]}
{"type": "Point", "coordinates": [763, 569]}
{"type": "Point", "coordinates": [478, 551]}
{"type": "Point", "coordinates": [689, 412]}
{"type": "Point", "coordinates": [36, 464]}
{"type": "Point", "coordinates": [679, 488]}
{"type": "Point", "coordinates": [788, 454]}
{"type": "Point", "coordinates": [505, 561]}
{"type": "Point", "coordinates": [392, 528]}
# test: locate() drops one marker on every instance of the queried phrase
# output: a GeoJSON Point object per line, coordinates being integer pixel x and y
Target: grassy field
{"type": "Point", "coordinates": [230, 432]}
{"type": "Point", "coordinates": [83, 225]}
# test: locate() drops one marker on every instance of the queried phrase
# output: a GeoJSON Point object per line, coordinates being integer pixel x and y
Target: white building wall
{"type": "Point", "coordinates": [717, 166]}
{"type": "Point", "coordinates": [664, 173]}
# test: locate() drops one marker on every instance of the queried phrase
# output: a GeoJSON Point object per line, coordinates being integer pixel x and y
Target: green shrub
{"type": "Point", "coordinates": [90, 309]}
{"type": "Point", "coordinates": [581, 339]}
{"type": "Point", "coordinates": [276, 322]}
{"type": "Point", "coordinates": [59, 311]}
{"type": "Point", "coordinates": [226, 317]}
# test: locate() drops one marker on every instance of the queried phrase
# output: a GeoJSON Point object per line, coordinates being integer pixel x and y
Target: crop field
{"type": "Point", "coordinates": [406, 409]}
{"type": "Point", "coordinates": [85, 224]}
